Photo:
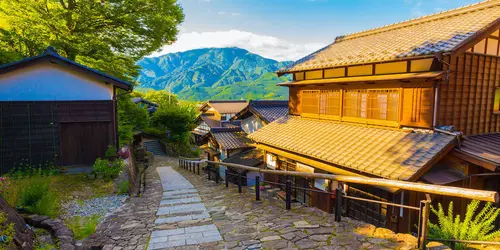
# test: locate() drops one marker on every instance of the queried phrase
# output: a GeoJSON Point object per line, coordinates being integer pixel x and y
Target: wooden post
{"type": "Point", "coordinates": [257, 188]}
{"type": "Point", "coordinates": [305, 186]}
{"type": "Point", "coordinates": [425, 205]}
{"type": "Point", "coordinates": [227, 178]}
{"type": "Point", "coordinates": [288, 193]}
{"type": "Point", "coordinates": [209, 168]}
{"type": "Point", "coordinates": [338, 204]}
{"type": "Point", "coordinates": [198, 165]}
{"type": "Point", "coordinates": [217, 175]}
{"type": "Point", "coordinates": [239, 183]}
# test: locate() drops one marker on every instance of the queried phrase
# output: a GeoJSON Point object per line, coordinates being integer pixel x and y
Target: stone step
{"type": "Point", "coordinates": [170, 202]}
{"type": "Point", "coordinates": [184, 236]}
{"type": "Point", "coordinates": [182, 218]}
{"type": "Point", "coordinates": [178, 209]}
{"type": "Point", "coordinates": [180, 192]}
{"type": "Point", "coordinates": [180, 196]}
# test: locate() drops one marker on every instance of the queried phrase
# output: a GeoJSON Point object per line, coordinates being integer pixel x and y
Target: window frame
{"type": "Point", "coordinates": [496, 110]}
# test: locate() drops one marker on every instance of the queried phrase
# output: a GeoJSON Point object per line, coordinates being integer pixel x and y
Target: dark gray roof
{"type": "Point", "coordinates": [230, 138]}
{"type": "Point", "coordinates": [267, 110]}
{"type": "Point", "coordinates": [50, 52]}
{"type": "Point", "coordinates": [140, 99]}
{"type": "Point", "coordinates": [251, 158]}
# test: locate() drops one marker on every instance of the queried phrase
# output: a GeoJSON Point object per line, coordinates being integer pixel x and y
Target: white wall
{"type": "Point", "coordinates": [46, 81]}
{"type": "Point", "coordinates": [251, 124]}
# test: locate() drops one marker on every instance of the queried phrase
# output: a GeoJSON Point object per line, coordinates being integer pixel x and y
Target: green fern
{"type": "Point", "coordinates": [474, 226]}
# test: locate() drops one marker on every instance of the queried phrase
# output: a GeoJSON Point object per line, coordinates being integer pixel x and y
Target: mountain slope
{"type": "Point", "coordinates": [201, 74]}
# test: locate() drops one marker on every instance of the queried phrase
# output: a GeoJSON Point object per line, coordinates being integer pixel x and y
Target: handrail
{"type": "Point", "coordinates": [481, 195]}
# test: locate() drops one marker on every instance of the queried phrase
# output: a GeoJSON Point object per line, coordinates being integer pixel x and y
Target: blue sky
{"type": "Point", "coordinates": [290, 29]}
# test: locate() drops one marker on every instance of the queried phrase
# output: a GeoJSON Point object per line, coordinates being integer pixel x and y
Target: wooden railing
{"type": "Point", "coordinates": [194, 165]}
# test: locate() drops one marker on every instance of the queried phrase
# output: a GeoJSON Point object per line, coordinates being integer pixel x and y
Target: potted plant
{"type": "Point", "coordinates": [99, 167]}
{"type": "Point", "coordinates": [110, 153]}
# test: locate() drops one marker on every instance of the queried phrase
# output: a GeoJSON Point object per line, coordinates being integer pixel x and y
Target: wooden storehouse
{"type": "Point", "coordinates": [54, 111]}
{"type": "Point", "coordinates": [417, 101]}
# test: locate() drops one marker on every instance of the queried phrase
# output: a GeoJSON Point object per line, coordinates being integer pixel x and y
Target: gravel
{"type": "Point", "coordinates": [100, 206]}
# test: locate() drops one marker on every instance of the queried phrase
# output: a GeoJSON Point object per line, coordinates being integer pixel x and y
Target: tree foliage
{"type": "Point", "coordinates": [476, 226]}
{"type": "Point", "coordinates": [130, 117]}
{"type": "Point", "coordinates": [108, 35]}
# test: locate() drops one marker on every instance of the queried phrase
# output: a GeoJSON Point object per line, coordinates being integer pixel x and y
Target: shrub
{"type": "Point", "coordinates": [36, 197]}
{"type": "Point", "coordinates": [475, 226]}
{"type": "Point", "coordinates": [123, 187]}
{"type": "Point", "coordinates": [6, 229]}
{"type": "Point", "coordinates": [33, 191]}
{"type": "Point", "coordinates": [110, 152]}
{"type": "Point", "coordinates": [83, 227]}
{"type": "Point", "coordinates": [100, 165]}
{"type": "Point", "coordinates": [25, 169]}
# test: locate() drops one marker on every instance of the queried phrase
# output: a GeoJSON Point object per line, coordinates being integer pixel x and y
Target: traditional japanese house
{"type": "Point", "coordinates": [259, 113]}
{"type": "Point", "coordinates": [151, 106]}
{"type": "Point", "coordinates": [384, 102]}
{"type": "Point", "coordinates": [55, 111]}
{"type": "Point", "coordinates": [212, 113]}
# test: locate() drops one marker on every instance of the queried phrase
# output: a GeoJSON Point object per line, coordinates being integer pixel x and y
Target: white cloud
{"type": "Point", "coordinates": [223, 13]}
{"type": "Point", "coordinates": [266, 46]}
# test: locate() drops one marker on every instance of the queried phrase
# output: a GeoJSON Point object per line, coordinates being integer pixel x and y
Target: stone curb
{"type": "Point", "coordinates": [57, 229]}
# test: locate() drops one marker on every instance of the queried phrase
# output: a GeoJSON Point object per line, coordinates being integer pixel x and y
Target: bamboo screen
{"type": "Point", "coordinates": [310, 102]}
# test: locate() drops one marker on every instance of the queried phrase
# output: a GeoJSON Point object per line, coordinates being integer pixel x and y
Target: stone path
{"type": "Point", "coordinates": [130, 226]}
{"type": "Point", "coordinates": [183, 219]}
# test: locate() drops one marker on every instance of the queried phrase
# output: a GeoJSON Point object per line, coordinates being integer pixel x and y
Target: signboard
{"type": "Point", "coordinates": [304, 168]}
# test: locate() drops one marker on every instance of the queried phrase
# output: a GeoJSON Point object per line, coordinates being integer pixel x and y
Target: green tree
{"type": "Point", "coordinates": [109, 35]}
{"type": "Point", "coordinates": [161, 97]}
{"type": "Point", "coordinates": [130, 117]}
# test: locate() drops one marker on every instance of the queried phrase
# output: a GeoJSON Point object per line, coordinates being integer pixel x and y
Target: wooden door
{"type": "Point", "coordinates": [83, 142]}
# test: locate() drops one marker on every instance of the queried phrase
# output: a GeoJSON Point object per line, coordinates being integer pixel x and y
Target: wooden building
{"type": "Point", "coordinates": [417, 100]}
{"type": "Point", "coordinates": [259, 113]}
{"type": "Point", "coordinates": [55, 111]}
{"type": "Point", "coordinates": [212, 115]}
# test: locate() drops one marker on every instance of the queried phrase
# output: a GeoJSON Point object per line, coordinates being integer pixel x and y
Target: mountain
{"type": "Point", "coordinates": [214, 73]}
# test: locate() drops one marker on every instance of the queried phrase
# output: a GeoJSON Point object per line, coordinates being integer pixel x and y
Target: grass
{"type": "Point", "coordinates": [63, 188]}
{"type": "Point", "coordinates": [83, 227]}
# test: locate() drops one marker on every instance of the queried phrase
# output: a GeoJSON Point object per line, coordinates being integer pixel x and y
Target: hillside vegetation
{"type": "Point", "coordinates": [214, 73]}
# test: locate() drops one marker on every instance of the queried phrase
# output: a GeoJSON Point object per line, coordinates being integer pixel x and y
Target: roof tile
{"type": "Point", "coordinates": [441, 32]}
{"type": "Point", "coordinates": [382, 152]}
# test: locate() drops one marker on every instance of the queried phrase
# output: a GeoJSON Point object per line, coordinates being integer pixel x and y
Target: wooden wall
{"type": "Point", "coordinates": [30, 132]}
{"type": "Point", "coordinates": [466, 99]}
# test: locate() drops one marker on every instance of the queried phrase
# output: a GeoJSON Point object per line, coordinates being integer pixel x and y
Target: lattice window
{"type": "Point", "coordinates": [330, 103]}
{"type": "Point", "coordinates": [310, 102]}
{"type": "Point", "coordinates": [383, 104]}
{"type": "Point", "coordinates": [355, 103]}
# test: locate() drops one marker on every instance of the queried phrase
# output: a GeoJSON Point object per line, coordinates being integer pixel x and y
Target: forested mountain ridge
{"type": "Point", "coordinates": [214, 73]}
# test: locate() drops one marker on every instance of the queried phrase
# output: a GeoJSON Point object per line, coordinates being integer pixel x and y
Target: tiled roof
{"type": "Point", "coordinates": [269, 110]}
{"type": "Point", "coordinates": [485, 146]}
{"type": "Point", "coordinates": [227, 107]}
{"type": "Point", "coordinates": [231, 124]}
{"type": "Point", "coordinates": [441, 32]}
{"type": "Point", "coordinates": [52, 53]}
{"type": "Point", "coordinates": [210, 120]}
{"type": "Point", "coordinates": [252, 158]}
{"type": "Point", "coordinates": [230, 138]}
{"type": "Point", "coordinates": [387, 153]}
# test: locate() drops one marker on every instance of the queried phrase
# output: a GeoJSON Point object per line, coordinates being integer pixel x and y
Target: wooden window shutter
{"type": "Point", "coordinates": [418, 108]}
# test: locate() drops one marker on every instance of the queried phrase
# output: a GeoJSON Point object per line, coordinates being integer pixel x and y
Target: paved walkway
{"type": "Point", "coordinates": [183, 219]}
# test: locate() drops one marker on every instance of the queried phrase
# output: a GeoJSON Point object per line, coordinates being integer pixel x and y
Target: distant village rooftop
{"type": "Point", "coordinates": [225, 106]}
{"type": "Point", "coordinates": [267, 110]}
{"type": "Point", "coordinates": [420, 37]}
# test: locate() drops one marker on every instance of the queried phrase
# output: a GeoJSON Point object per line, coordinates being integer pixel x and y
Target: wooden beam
{"type": "Point", "coordinates": [474, 160]}
{"type": "Point", "coordinates": [467, 193]}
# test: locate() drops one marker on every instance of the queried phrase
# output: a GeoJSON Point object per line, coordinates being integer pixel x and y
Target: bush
{"type": "Point", "coordinates": [83, 227]}
{"type": "Point", "coordinates": [100, 165]}
{"type": "Point", "coordinates": [37, 198]}
{"type": "Point", "coordinates": [475, 226]}
{"type": "Point", "coordinates": [123, 187]}
{"type": "Point", "coordinates": [25, 169]}
{"type": "Point", "coordinates": [6, 229]}
{"type": "Point", "coordinates": [110, 152]}
{"type": "Point", "coordinates": [33, 191]}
